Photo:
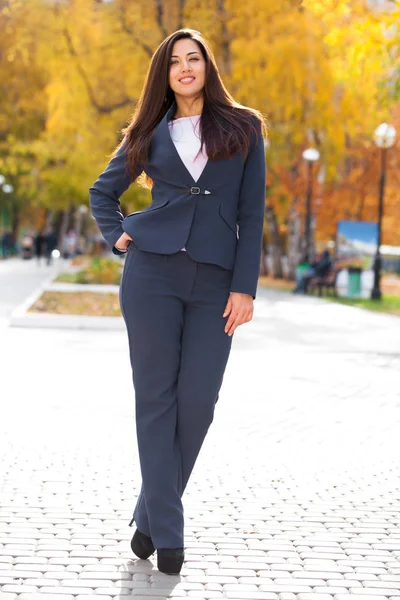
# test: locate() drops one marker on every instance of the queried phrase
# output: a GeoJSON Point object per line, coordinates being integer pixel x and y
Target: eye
{"type": "Point", "coordinates": [195, 58]}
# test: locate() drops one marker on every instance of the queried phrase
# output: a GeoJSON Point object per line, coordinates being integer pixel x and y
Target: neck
{"type": "Point", "coordinates": [188, 107]}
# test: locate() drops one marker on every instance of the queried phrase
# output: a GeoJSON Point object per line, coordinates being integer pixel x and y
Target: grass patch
{"type": "Point", "coordinates": [99, 270]}
{"type": "Point", "coordinates": [67, 278]}
{"type": "Point", "coordinates": [387, 304]}
{"type": "Point", "coordinates": [276, 284]}
{"type": "Point", "coordinates": [78, 303]}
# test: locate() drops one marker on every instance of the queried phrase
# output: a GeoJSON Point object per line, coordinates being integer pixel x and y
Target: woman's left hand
{"type": "Point", "coordinates": [240, 310]}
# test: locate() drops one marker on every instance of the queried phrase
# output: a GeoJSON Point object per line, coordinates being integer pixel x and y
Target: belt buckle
{"type": "Point", "coordinates": [195, 190]}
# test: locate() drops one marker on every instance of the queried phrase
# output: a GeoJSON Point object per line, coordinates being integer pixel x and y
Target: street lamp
{"type": "Point", "coordinates": [311, 155]}
{"type": "Point", "coordinates": [384, 137]}
{"type": "Point", "coordinates": [6, 189]}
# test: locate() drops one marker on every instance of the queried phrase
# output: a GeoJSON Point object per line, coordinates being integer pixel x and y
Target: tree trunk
{"type": "Point", "coordinates": [294, 239]}
{"type": "Point", "coordinates": [225, 62]}
{"type": "Point", "coordinates": [65, 223]}
{"type": "Point", "coordinates": [15, 222]}
{"type": "Point", "coordinates": [263, 264]}
{"type": "Point", "coordinates": [49, 218]}
{"type": "Point", "coordinates": [275, 244]}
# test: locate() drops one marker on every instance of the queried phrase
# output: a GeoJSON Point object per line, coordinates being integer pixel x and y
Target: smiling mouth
{"type": "Point", "coordinates": [187, 79]}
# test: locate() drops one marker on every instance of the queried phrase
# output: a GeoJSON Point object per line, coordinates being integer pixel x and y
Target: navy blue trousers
{"type": "Point", "coordinates": [173, 308]}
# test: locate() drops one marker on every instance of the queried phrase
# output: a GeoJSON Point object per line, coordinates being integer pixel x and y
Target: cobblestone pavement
{"type": "Point", "coordinates": [296, 494]}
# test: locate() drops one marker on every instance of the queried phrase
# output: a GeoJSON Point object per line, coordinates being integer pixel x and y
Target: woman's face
{"type": "Point", "coordinates": [187, 69]}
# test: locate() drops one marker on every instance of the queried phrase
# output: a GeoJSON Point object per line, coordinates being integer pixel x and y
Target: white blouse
{"type": "Point", "coordinates": [186, 137]}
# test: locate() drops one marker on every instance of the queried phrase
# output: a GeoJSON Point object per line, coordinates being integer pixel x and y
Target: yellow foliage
{"type": "Point", "coordinates": [320, 71]}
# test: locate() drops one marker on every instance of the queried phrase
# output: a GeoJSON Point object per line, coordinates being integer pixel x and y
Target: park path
{"type": "Point", "coordinates": [19, 279]}
{"type": "Point", "coordinates": [295, 496]}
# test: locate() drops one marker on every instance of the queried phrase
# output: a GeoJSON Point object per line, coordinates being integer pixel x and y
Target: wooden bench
{"type": "Point", "coordinates": [327, 283]}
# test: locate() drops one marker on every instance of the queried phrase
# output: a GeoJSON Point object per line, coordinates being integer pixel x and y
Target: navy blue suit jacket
{"type": "Point", "coordinates": [218, 218]}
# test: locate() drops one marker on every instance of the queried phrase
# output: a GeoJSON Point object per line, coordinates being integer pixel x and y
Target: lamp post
{"type": "Point", "coordinates": [384, 137]}
{"type": "Point", "coordinates": [311, 155]}
{"type": "Point", "coordinates": [6, 189]}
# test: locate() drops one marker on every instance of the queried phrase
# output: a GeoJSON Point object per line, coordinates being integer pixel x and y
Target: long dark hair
{"type": "Point", "coordinates": [225, 124]}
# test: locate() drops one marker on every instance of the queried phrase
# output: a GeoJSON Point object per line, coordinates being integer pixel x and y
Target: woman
{"type": "Point", "coordinates": [191, 268]}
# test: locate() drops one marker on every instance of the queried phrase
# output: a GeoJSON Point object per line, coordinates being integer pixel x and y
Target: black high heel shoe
{"type": "Point", "coordinates": [142, 545]}
{"type": "Point", "coordinates": [170, 560]}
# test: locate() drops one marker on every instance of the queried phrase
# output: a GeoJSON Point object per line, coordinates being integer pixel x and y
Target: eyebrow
{"type": "Point", "coordinates": [194, 52]}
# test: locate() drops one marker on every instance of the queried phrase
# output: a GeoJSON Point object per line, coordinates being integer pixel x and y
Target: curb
{"type": "Point", "coordinates": [21, 318]}
{"type": "Point", "coordinates": [58, 286]}
{"type": "Point", "coordinates": [50, 321]}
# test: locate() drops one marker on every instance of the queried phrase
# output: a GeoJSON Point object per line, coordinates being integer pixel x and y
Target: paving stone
{"type": "Point", "coordinates": [334, 590]}
{"type": "Point", "coordinates": [314, 596]}
{"type": "Point", "coordinates": [359, 597]}
{"type": "Point", "coordinates": [39, 596]}
{"type": "Point", "coordinates": [214, 587]}
{"type": "Point", "coordinates": [204, 579]}
{"type": "Point", "coordinates": [157, 593]}
{"type": "Point", "coordinates": [361, 576]}
{"type": "Point", "coordinates": [15, 588]}
{"type": "Point", "coordinates": [257, 580]}
{"type": "Point", "coordinates": [90, 596]}
{"type": "Point", "coordinates": [292, 587]}
{"type": "Point", "coordinates": [186, 586]}
{"type": "Point", "coordinates": [57, 575]}
{"type": "Point", "coordinates": [16, 574]}
{"type": "Point", "coordinates": [383, 585]}
{"type": "Point", "coordinates": [250, 596]}
{"type": "Point", "coordinates": [6, 580]}
{"type": "Point", "coordinates": [310, 582]}
{"type": "Point", "coordinates": [301, 575]}
{"type": "Point", "coordinates": [64, 561]}
{"type": "Point", "coordinates": [41, 581]}
{"type": "Point", "coordinates": [345, 583]}
{"type": "Point", "coordinates": [63, 590]}
{"type": "Point", "coordinates": [109, 575]}
{"type": "Point", "coordinates": [238, 572]}
{"type": "Point", "coordinates": [239, 587]}
{"type": "Point", "coordinates": [39, 567]}
{"type": "Point", "coordinates": [205, 595]}
{"type": "Point", "coordinates": [382, 591]}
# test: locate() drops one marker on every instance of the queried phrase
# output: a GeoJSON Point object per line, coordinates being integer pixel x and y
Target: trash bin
{"type": "Point", "coordinates": [354, 282]}
{"type": "Point", "coordinates": [300, 269]}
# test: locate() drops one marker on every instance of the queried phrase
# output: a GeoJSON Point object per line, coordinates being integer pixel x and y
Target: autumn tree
{"type": "Point", "coordinates": [319, 70]}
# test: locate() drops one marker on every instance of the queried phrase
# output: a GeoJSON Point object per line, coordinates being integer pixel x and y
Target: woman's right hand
{"type": "Point", "coordinates": [123, 242]}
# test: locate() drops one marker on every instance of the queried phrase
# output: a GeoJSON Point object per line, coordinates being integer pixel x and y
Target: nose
{"type": "Point", "coordinates": [186, 67]}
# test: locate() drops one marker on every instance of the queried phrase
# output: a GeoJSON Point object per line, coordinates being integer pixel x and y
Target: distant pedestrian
{"type": "Point", "coordinates": [27, 245]}
{"type": "Point", "coordinates": [50, 244]}
{"type": "Point", "coordinates": [318, 268]}
{"type": "Point", "coordinates": [6, 243]}
{"type": "Point", "coordinates": [39, 244]}
{"type": "Point", "coordinates": [70, 244]}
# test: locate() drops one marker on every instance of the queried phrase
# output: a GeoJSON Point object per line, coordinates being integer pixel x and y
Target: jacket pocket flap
{"type": "Point", "coordinates": [231, 226]}
{"type": "Point", "coordinates": [148, 209]}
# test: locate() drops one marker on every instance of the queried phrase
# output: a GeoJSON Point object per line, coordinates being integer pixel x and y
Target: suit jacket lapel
{"type": "Point", "coordinates": [164, 137]}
